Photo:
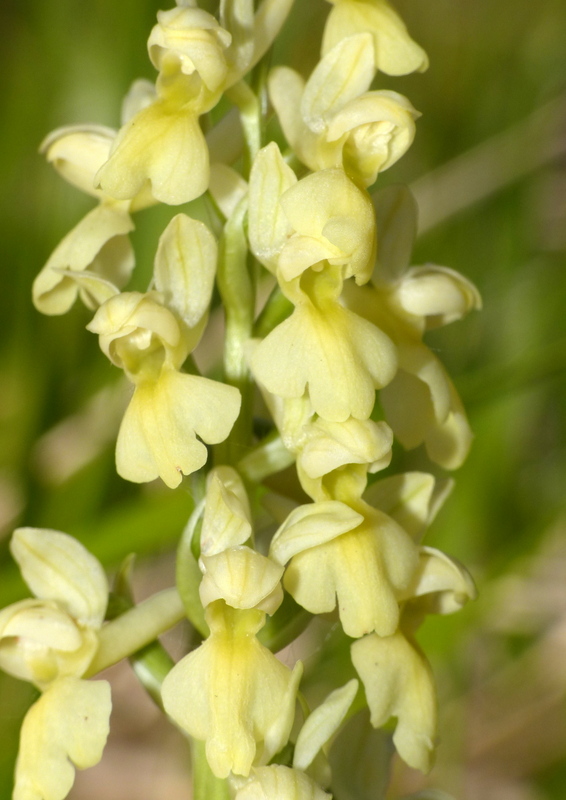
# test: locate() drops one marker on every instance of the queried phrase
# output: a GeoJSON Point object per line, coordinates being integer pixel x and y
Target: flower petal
{"type": "Point", "coordinates": [67, 726]}
{"type": "Point", "coordinates": [322, 724]}
{"type": "Point", "coordinates": [77, 152]}
{"type": "Point", "coordinates": [57, 567]}
{"type": "Point", "coordinates": [340, 356]}
{"type": "Point", "coordinates": [157, 437]}
{"type": "Point", "coordinates": [162, 144]}
{"type": "Point", "coordinates": [399, 683]}
{"type": "Point", "coordinates": [242, 578]}
{"type": "Point", "coordinates": [185, 266]}
{"type": "Point", "coordinates": [99, 244]}
{"type": "Point", "coordinates": [227, 517]}
{"type": "Point", "coordinates": [395, 52]}
{"type": "Point", "coordinates": [345, 72]}
{"type": "Point", "coordinates": [268, 227]}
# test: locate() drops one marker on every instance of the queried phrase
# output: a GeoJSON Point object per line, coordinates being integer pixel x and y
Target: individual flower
{"type": "Point", "coordinates": [198, 58]}
{"type": "Point", "coordinates": [233, 572]}
{"type": "Point", "coordinates": [98, 247]}
{"type": "Point", "coordinates": [233, 693]}
{"type": "Point", "coordinates": [344, 552]}
{"type": "Point", "coordinates": [162, 147]}
{"type": "Point", "coordinates": [325, 349]}
{"type": "Point", "coordinates": [149, 336]}
{"type": "Point", "coordinates": [297, 225]}
{"type": "Point", "coordinates": [51, 641]}
{"type": "Point", "coordinates": [420, 402]}
{"type": "Point", "coordinates": [396, 675]}
{"type": "Point", "coordinates": [395, 53]}
{"type": "Point", "coordinates": [333, 121]}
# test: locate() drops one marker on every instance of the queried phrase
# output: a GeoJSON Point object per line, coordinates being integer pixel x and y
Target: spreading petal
{"type": "Point", "coordinates": [57, 567]}
{"type": "Point", "coordinates": [399, 683]}
{"type": "Point", "coordinates": [157, 437]}
{"type": "Point", "coordinates": [99, 244]}
{"type": "Point", "coordinates": [66, 728]}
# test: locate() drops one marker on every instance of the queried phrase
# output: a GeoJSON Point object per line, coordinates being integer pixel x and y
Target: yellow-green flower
{"type": "Point", "coordinates": [394, 51]}
{"type": "Point", "coordinates": [333, 121]}
{"type": "Point", "coordinates": [325, 349]}
{"type": "Point", "coordinates": [51, 641]}
{"type": "Point", "coordinates": [344, 552]}
{"type": "Point", "coordinates": [149, 336]}
{"type": "Point", "coordinates": [233, 693]}
{"type": "Point", "coordinates": [396, 675]}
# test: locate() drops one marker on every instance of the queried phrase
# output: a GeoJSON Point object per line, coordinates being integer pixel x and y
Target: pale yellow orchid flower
{"type": "Point", "coordinates": [233, 693]}
{"type": "Point", "coordinates": [398, 682]}
{"type": "Point", "coordinates": [395, 672]}
{"type": "Point", "coordinates": [51, 641]}
{"type": "Point", "coordinates": [395, 53]}
{"type": "Point", "coordinates": [361, 560]}
{"type": "Point", "coordinates": [232, 571]}
{"type": "Point", "coordinates": [99, 244]}
{"type": "Point", "coordinates": [326, 349]}
{"type": "Point", "coordinates": [149, 336]}
{"type": "Point", "coordinates": [345, 125]}
{"type": "Point", "coordinates": [421, 404]}
{"type": "Point", "coordinates": [95, 259]}
{"type": "Point", "coordinates": [324, 218]}
{"type": "Point", "coordinates": [162, 147]}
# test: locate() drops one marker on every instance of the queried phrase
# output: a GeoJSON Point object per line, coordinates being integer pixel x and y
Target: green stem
{"type": "Point", "coordinates": [267, 458]}
{"type": "Point", "coordinates": [238, 296]}
{"type": "Point", "coordinates": [249, 107]}
{"type": "Point", "coordinates": [151, 665]}
{"type": "Point", "coordinates": [135, 629]}
{"type": "Point", "coordinates": [206, 786]}
{"type": "Point", "coordinates": [189, 576]}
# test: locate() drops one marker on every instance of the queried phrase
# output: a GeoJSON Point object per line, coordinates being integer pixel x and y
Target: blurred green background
{"type": "Point", "coordinates": [489, 169]}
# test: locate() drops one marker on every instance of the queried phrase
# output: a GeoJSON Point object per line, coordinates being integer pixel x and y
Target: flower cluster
{"type": "Point", "coordinates": [337, 354]}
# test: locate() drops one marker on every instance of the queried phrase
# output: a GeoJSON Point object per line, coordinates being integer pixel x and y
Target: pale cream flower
{"type": "Point", "coordinates": [420, 403]}
{"type": "Point", "coordinates": [51, 641]}
{"type": "Point", "coordinates": [330, 125]}
{"type": "Point", "coordinates": [324, 218]}
{"type": "Point", "coordinates": [338, 356]}
{"type": "Point", "coordinates": [349, 554]}
{"type": "Point", "coordinates": [231, 571]}
{"type": "Point", "coordinates": [162, 148]}
{"type": "Point", "coordinates": [395, 52]}
{"type": "Point", "coordinates": [395, 672]}
{"type": "Point", "coordinates": [399, 683]}
{"type": "Point", "coordinates": [99, 244]}
{"type": "Point", "coordinates": [233, 693]}
{"type": "Point", "coordinates": [149, 336]}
